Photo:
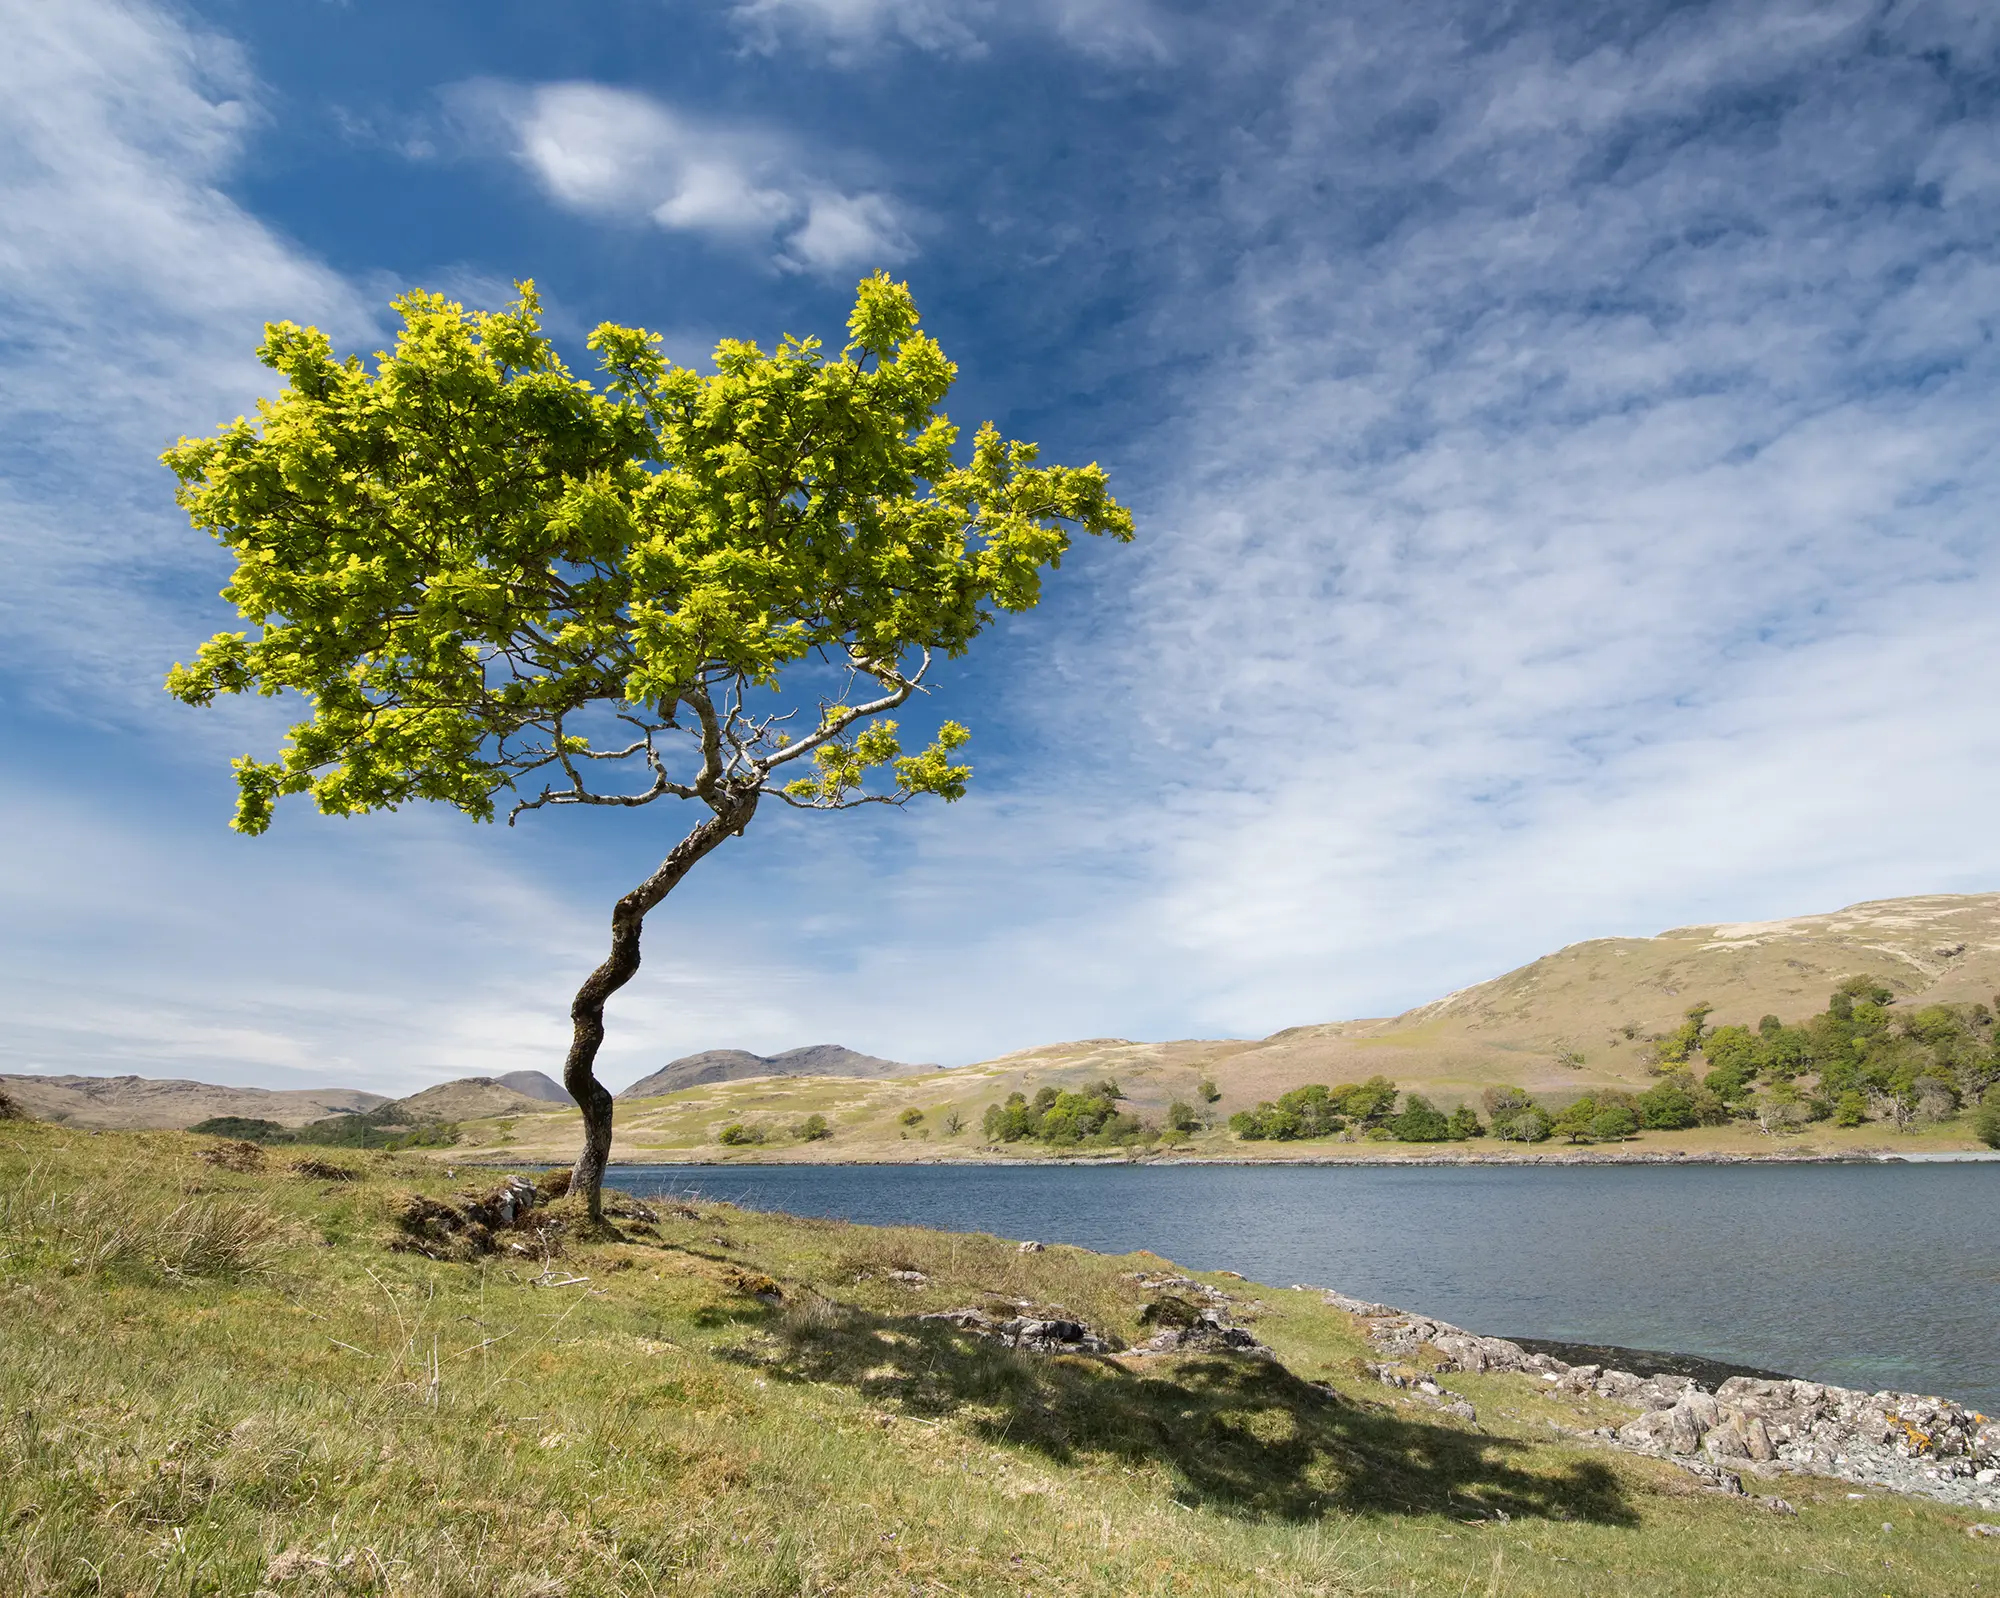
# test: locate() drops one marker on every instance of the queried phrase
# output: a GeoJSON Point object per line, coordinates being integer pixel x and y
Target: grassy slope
{"type": "Point", "coordinates": [203, 1373]}
{"type": "Point", "coordinates": [1503, 1031]}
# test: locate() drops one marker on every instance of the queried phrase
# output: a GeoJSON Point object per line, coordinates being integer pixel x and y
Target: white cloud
{"type": "Point", "coordinates": [844, 231]}
{"type": "Point", "coordinates": [620, 154]}
{"type": "Point", "coordinates": [848, 31]}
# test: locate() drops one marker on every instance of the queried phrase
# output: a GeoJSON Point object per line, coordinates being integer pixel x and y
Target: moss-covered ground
{"type": "Point", "coordinates": [225, 1381]}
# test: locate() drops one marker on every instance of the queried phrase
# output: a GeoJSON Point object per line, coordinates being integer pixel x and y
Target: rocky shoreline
{"type": "Point", "coordinates": [1758, 1425]}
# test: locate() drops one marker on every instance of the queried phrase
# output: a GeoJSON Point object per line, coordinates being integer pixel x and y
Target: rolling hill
{"type": "Point", "coordinates": [137, 1103]}
{"type": "Point", "coordinates": [1571, 1022]}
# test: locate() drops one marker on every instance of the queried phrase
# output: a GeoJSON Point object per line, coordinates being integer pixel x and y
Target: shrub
{"type": "Point", "coordinates": [1503, 1104]}
{"type": "Point", "coordinates": [1688, 1038]}
{"type": "Point", "coordinates": [1420, 1122]}
{"type": "Point", "coordinates": [1669, 1106]}
{"type": "Point", "coordinates": [1525, 1126]}
{"type": "Point", "coordinates": [736, 1134]}
{"type": "Point", "coordinates": [812, 1129]}
{"type": "Point", "coordinates": [1709, 1108]}
{"type": "Point", "coordinates": [911, 1117]}
{"type": "Point", "coordinates": [1181, 1117]}
{"type": "Point", "coordinates": [1986, 1124]}
{"type": "Point", "coordinates": [1465, 1123]}
{"type": "Point", "coordinates": [1208, 1091]}
{"type": "Point", "coordinates": [954, 1123]}
{"type": "Point", "coordinates": [1249, 1124]}
{"type": "Point", "coordinates": [1310, 1111]}
{"type": "Point", "coordinates": [243, 1128]}
{"type": "Point", "coordinates": [1371, 1102]}
{"type": "Point", "coordinates": [1064, 1118]}
{"type": "Point", "coordinates": [1613, 1122]}
{"type": "Point", "coordinates": [434, 1135]}
{"type": "Point", "coordinates": [1729, 1083]}
{"type": "Point", "coordinates": [1573, 1120]}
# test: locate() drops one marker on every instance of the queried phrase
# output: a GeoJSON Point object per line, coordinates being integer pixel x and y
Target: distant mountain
{"type": "Point", "coordinates": [732, 1065]}
{"type": "Point", "coordinates": [536, 1086]}
{"type": "Point", "coordinates": [470, 1098]}
{"type": "Point", "coordinates": [137, 1103]}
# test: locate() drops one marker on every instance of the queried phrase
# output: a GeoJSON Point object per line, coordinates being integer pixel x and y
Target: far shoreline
{"type": "Point", "coordinates": [1374, 1162]}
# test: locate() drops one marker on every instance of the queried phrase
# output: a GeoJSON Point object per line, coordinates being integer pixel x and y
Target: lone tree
{"type": "Point", "coordinates": [491, 581]}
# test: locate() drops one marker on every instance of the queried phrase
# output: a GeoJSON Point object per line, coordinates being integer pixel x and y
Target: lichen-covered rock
{"type": "Point", "coordinates": [1037, 1334]}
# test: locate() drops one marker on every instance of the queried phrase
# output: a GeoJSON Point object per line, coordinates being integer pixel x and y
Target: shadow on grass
{"type": "Point", "coordinates": [1242, 1435]}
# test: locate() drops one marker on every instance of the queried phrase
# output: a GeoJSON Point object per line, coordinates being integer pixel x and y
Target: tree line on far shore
{"type": "Point", "coordinates": [1859, 1060]}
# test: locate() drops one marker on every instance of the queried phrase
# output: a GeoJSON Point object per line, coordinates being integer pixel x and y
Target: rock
{"type": "Point", "coordinates": [1468, 1352]}
{"type": "Point", "coordinates": [909, 1278]}
{"type": "Point", "coordinates": [1053, 1336]}
{"type": "Point", "coordinates": [1727, 1441]}
{"type": "Point", "coordinates": [1038, 1334]}
{"type": "Point", "coordinates": [509, 1201]}
{"type": "Point", "coordinates": [1208, 1330]}
{"type": "Point", "coordinates": [1717, 1479]}
{"type": "Point", "coordinates": [1030, 1247]}
{"type": "Point", "coordinates": [1980, 1528]}
{"type": "Point", "coordinates": [1153, 1282]}
{"type": "Point", "coordinates": [1777, 1506]}
{"type": "Point", "coordinates": [1463, 1410]}
{"type": "Point", "coordinates": [1356, 1306]}
{"type": "Point", "coordinates": [1758, 1441]}
{"type": "Point", "coordinates": [966, 1320]}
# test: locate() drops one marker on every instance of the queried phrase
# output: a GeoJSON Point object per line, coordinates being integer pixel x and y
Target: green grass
{"type": "Point", "coordinates": [217, 1381]}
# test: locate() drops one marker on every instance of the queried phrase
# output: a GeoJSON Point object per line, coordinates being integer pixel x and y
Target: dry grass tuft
{"type": "Point", "coordinates": [325, 1171]}
{"type": "Point", "coordinates": [238, 1157]}
{"type": "Point", "coordinates": [123, 1226]}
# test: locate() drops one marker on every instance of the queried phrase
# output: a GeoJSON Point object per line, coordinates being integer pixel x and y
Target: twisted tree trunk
{"type": "Point", "coordinates": [586, 1011]}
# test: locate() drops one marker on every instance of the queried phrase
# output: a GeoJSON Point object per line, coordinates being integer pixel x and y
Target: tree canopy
{"type": "Point", "coordinates": [459, 555]}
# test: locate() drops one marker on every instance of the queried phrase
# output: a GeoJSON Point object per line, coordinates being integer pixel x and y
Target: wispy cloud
{"type": "Point", "coordinates": [848, 31]}
{"type": "Point", "coordinates": [1582, 519]}
{"type": "Point", "coordinates": [133, 291]}
{"type": "Point", "coordinates": [619, 154]}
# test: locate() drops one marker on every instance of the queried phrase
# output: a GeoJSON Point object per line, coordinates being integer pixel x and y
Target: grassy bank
{"type": "Point", "coordinates": [216, 1380]}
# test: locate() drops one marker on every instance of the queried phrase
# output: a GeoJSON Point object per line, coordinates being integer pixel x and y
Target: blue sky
{"type": "Point", "coordinates": [1563, 438]}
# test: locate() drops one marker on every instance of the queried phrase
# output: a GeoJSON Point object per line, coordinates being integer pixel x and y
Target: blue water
{"type": "Point", "coordinates": [1870, 1276]}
